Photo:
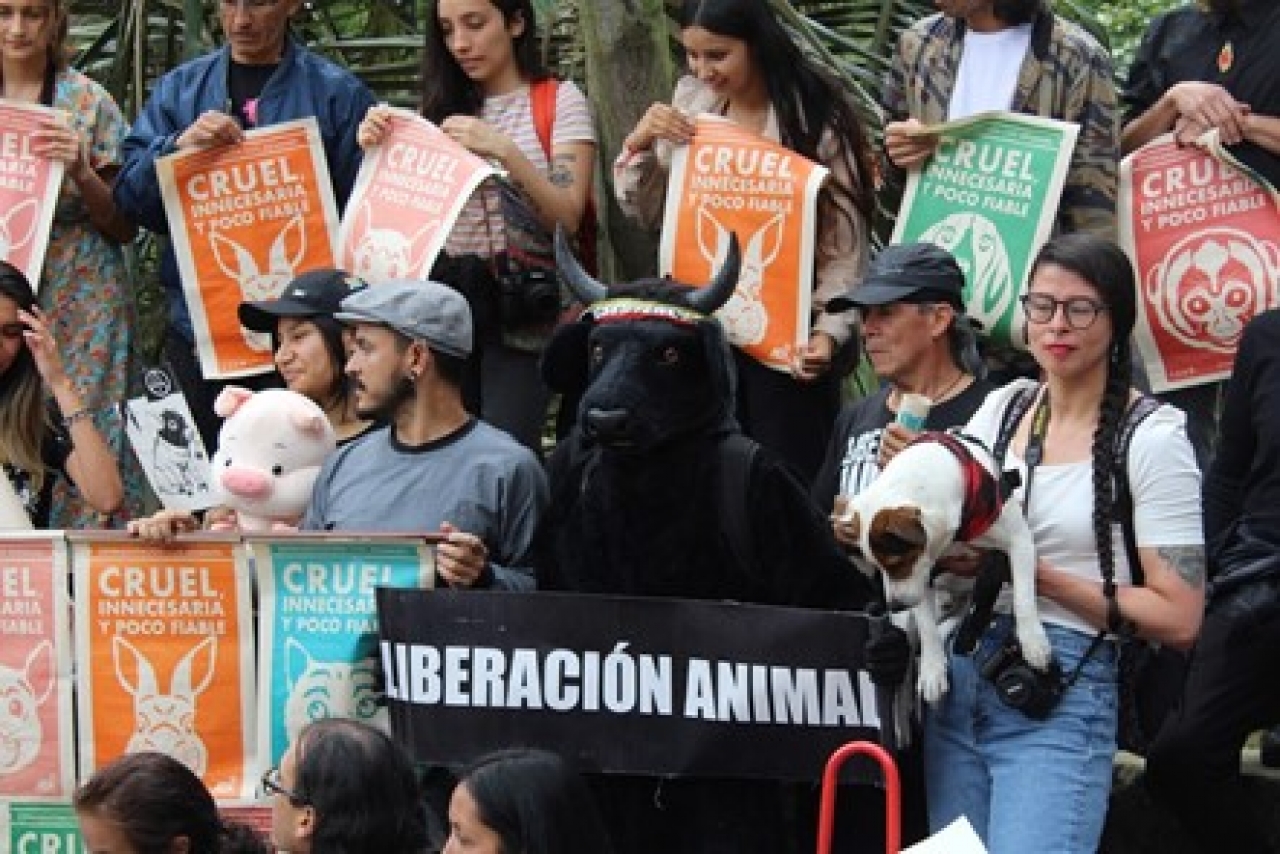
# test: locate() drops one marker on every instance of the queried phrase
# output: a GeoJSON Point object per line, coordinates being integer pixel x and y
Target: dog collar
{"type": "Point", "coordinates": [982, 499]}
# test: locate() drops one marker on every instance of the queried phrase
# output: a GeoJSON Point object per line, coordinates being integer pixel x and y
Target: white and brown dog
{"type": "Point", "coordinates": [931, 495]}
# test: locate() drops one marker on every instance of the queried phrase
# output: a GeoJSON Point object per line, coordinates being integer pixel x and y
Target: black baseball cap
{"type": "Point", "coordinates": [313, 293]}
{"type": "Point", "coordinates": [907, 272]}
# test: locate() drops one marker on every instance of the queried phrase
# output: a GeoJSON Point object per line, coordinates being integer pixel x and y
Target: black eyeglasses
{"type": "Point", "coordinates": [1081, 312]}
{"type": "Point", "coordinates": [271, 785]}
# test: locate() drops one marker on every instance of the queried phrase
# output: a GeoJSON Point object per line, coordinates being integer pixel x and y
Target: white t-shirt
{"type": "Point", "coordinates": [988, 73]}
{"type": "Point", "coordinates": [512, 114]}
{"type": "Point", "coordinates": [1163, 478]}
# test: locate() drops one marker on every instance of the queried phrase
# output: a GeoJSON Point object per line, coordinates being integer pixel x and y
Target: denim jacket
{"type": "Point", "coordinates": [304, 84]}
{"type": "Point", "coordinates": [1065, 75]}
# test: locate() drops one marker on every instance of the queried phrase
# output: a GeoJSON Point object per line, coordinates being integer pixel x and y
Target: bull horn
{"type": "Point", "coordinates": [584, 287]}
{"type": "Point", "coordinates": [707, 300]}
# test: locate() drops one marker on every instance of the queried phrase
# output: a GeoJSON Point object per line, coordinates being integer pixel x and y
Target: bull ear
{"type": "Point", "coordinates": [584, 287]}
{"type": "Point", "coordinates": [564, 360]}
{"type": "Point", "coordinates": [717, 293]}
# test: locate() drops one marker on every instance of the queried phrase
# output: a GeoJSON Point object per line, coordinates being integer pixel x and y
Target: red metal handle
{"type": "Point", "coordinates": [892, 795]}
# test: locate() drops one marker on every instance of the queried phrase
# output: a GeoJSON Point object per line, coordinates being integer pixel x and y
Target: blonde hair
{"type": "Point", "coordinates": [24, 418]}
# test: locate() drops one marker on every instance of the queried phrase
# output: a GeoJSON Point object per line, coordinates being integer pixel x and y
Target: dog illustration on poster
{"type": "Point", "coordinates": [329, 689]}
{"type": "Point", "coordinates": [744, 315]}
{"type": "Point", "coordinates": [1210, 284]}
{"type": "Point", "coordinates": [385, 254]}
{"type": "Point", "coordinates": [165, 721]}
{"type": "Point", "coordinates": [259, 281]}
{"type": "Point", "coordinates": [980, 251]}
{"type": "Point", "coordinates": [22, 693]}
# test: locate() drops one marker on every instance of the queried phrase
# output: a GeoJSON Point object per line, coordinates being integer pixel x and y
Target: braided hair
{"type": "Point", "coordinates": [1108, 271]}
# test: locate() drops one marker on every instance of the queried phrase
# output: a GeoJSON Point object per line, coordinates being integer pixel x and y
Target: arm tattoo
{"type": "Point", "coordinates": [1187, 561]}
{"type": "Point", "coordinates": [562, 170]}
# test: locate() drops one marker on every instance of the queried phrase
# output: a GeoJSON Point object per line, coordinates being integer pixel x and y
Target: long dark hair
{"type": "Point", "coordinates": [23, 415]}
{"type": "Point", "coordinates": [1109, 272]}
{"type": "Point", "coordinates": [807, 98]}
{"type": "Point", "coordinates": [154, 799]}
{"type": "Point", "coordinates": [446, 88]}
{"type": "Point", "coordinates": [363, 788]}
{"type": "Point", "coordinates": [535, 804]}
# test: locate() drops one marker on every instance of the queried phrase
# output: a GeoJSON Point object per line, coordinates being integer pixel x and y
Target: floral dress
{"type": "Point", "coordinates": [85, 289]}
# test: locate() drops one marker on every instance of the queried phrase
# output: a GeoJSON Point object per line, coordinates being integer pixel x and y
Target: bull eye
{"type": "Point", "coordinates": [277, 470]}
{"type": "Point", "coordinates": [670, 356]}
{"type": "Point", "coordinates": [597, 354]}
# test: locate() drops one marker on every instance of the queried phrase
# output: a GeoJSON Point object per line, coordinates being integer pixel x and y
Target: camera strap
{"type": "Point", "coordinates": [1032, 457]}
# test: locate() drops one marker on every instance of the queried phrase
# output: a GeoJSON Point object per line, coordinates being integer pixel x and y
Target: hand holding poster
{"type": "Point", "coordinates": [164, 645]}
{"type": "Point", "coordinates": [730, 181]}
{"type": "Point", "coordinates": [1203, 233]}
{"type": "Point", "coordinates": [36, 739]}
{"type": "Point", "coordinates": [406, 199]}
{"type": "Point", "coordinates": [989, 195]}
{"type": "Point", "coordinates": [244, 220]}
{"type": "Point", "coordinates": [29, 187]}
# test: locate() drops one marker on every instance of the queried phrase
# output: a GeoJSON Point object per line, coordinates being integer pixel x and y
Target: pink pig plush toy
{"type": "Point", "coordinates": [270, 450]}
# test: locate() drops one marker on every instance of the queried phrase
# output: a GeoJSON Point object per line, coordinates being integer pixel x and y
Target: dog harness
{"type": "Point", "coordinates": [983, 499]}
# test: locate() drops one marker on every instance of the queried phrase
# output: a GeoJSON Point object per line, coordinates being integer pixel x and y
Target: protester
{"type": "Point", "coordinates": [1016, 55]}
{"type": "Point", "coordinates": [918, 340]}
{"type": "Point", "coordinates": [263, 76]}
{"type": "Point", "coordinates": [745, 66]}
{"type": "Point", "coordinates": [1041, 783]}
{"type": "Point", "coordinates": [434, 467]}
{"type": "Point", "coordinates": [482, 79]}
{"type": "Point", "coordinates": [1202, 67]}
{"type": "Point", "coordinates": [39, 442]}
{"type": "Point", "coordinates": [150, 802]}
{"type": "Point", "coordinates": [1194, 764]}
{"type": "Point", "coordinates": [344, 787]}
{"type": "Point", "coordinates": [85, 285]}
{"type": "Point", "coordinates": [524, 802]}
{"type": "Point", "coordinates": [310, 354]}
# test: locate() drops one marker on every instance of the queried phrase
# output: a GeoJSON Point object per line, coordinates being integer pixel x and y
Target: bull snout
{"type": "Point", "coordinates": [609, 426]}
{"type": "Point", "coordinates": [246, 483]}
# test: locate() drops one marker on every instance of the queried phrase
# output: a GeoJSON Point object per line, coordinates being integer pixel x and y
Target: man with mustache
{"type": "Point", "coordinates": [435, 467]}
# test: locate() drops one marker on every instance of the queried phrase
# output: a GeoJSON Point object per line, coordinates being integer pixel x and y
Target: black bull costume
{"type": "Point", "coordinates": [657, 493]}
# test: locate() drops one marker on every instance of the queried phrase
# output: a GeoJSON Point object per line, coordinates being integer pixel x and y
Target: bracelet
{"type": "Point", "coordinates": [84, 413]}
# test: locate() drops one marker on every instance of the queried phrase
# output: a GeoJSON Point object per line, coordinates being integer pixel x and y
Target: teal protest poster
{"type": "Point", "coordinates": [989, 195]}
{"type": "Point", "coordinates": [317, 645]}
{"type": "Point", "coordinates": [35, 828]}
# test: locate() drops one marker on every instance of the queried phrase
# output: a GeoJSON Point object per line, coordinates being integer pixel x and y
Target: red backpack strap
{"type": "Point", "coordinates": [542, 99]}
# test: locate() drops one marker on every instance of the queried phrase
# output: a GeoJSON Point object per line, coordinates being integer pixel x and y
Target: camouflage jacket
{"type": "Point", "coordinates": [1065, 75]}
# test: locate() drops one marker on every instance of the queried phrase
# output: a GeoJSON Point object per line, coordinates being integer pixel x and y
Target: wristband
{"type": "Point", "coordinates": [84, 413]}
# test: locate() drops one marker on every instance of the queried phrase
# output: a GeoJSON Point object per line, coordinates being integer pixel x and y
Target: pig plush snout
{"type": "Point", "coordinates": [249, 484]}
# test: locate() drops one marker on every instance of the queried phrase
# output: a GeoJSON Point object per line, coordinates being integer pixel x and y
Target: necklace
{"type": "Point", "coordinates": [942, 395]}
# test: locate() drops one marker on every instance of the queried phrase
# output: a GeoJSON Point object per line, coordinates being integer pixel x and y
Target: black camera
{"type": "Point", "coordinates": [1020, 686]}
{"type": "Point", "coordinates": [529, 297]}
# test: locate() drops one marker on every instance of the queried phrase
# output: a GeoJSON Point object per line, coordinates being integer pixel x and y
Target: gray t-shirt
{"type": "Point", "coordinates": [478, 478]}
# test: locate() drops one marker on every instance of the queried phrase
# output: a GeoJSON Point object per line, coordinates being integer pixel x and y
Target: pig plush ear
{"type": "Point", "coordinates": [310, 423]}
{"type": "Point", "coordinates": [230, 399]}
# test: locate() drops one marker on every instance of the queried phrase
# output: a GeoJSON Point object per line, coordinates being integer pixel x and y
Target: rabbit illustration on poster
{"type": "Point", "coordinates": [165, 721]}
{"type": "Point", "coordinates": [262, 281]}
{"type": "Point", "coordinates": [22, 693]}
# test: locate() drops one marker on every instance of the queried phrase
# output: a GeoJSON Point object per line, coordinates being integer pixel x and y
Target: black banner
{"type": "Point", "coordinates": [626, 685]}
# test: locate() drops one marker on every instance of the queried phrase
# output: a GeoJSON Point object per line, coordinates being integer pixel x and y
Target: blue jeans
{"type": "Point", "coordinates": [1025, 785]}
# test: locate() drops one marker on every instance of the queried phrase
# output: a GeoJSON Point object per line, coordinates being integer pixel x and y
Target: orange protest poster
{"type": "Point", "coordinates": [1203, 234]}
{"type": "Point", "coordinates": [164, 647]}
{"type": "Point", "coordinates": [29, 187]}
{"type": "Point", "coordinates": [245, 219]}
{"type": "Point", "coordinates": [406, 199]}
{"type": "Point", "coordinates": [730, 181]}
{"type": "Point", "coordinates": [36, 738]}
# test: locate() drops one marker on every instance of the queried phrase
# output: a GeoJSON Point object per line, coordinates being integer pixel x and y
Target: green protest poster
{"type": "Point", "coordinates": [43, 829]}
{"type": "Point", "coordinates": [989, 195]}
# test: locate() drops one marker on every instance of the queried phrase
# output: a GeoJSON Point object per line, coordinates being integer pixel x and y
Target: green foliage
{"type": "Point", "coordinates": [1126, 21]}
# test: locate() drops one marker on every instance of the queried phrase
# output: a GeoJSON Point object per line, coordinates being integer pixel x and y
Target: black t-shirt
{"type": "Point", "coordinates": [244, 84]}
{"type": "Point", "coordinates": [1240, 52]}
{"type": "Point", "coordinates": [850, 464]}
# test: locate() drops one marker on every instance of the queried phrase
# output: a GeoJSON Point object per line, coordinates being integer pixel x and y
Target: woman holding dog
{"type": "Point", "coordinates": [1040, 781]}
{"type": "Point", "coordinates": [745, 66]}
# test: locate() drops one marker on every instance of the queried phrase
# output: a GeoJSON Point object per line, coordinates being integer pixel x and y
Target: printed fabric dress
{"type": "Point", "coordinates": [86, 290]}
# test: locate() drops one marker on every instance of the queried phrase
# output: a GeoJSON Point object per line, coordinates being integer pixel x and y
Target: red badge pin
{"type": "Point", "coordinates": [1226, 57]}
